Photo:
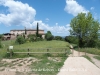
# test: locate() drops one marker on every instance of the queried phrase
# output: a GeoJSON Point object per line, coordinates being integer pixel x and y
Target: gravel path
{"type": "Point", "coordinates": [96, 62]}
{"type": "Point", "coordinates": [77, 54]}
{"type": "Point", "coordinates": [78, 66]}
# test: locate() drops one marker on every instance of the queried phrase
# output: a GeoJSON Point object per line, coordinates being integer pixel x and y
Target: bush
{"type": "Point", "coordinates": [98, 44]}
{"type": "Point", "coordinates": [39, 39]}
{"type": "Point", "coordinates": [71, 39]}
{"type": "Point", "coordinates": [20, 40]}
{"type": "Point", "coordinates": [0, 44]}
{"type": "Point", "coordinates": [32, 37]}
{"type": "Point", "coordinates": [49, 36]}
{"type": "Point", "coordinates": [58, 38]}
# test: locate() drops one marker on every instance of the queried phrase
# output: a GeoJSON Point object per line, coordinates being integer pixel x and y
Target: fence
{"type": "Point", "coordinates": [29, 51]}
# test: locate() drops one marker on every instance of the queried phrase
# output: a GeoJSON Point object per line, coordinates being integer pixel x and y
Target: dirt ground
{"type": "Point", "coordinates": [75, 64]}
{"type": "Point", "coordinates": [19, 66]}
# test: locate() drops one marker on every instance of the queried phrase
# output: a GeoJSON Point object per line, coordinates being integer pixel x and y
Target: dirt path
{"type": "Point", "coordinates": [77, 54]}
{"type": "Point", "coordinates": [96, 62]}
{"type": "Point", "coordinates": [78, 66]}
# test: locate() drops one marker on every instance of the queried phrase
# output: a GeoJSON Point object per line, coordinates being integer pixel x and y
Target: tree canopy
{"type": "Point", "coordinates": [48, 36]}
{"type": "Point", "coordinates": [86, 28]}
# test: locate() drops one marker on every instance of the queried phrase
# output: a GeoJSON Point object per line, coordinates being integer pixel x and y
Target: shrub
{"type": "Point", "coordinates": [0, 44]}
{"type": "Point", "coordinates": [39, 39]}
{"type": "Point", "coordinates": [98, 44]}
{"type": "Point", "coordinates": [58, 38]}
{"type": "Point", "coordinates": [71, 39]}
{"type": "Point", "coordinates": [20, 40]}
{"type": "Point", "coordinates": [32, 37]}
{"type": "Point", "coordinates": [49, 36]}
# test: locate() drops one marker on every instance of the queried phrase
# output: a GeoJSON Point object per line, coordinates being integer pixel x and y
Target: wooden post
{"type": "Point", "coordinates": [28, 51]}
{"type": "Point", "coordinates": [11, 52]}
{"type": "Point", "coordinates": [47, 52]}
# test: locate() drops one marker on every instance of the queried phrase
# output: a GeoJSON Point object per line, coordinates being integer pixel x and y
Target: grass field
{"type": "Point", "coordinates": [39, 46]}
{"type": "Point", "coordinates": [46, 64]}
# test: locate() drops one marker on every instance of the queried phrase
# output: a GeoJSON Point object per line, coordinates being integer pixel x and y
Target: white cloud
{"type": "Point", "coordinates": [18, 13]}
{"type": "Point", "coordinates": [56, 23]}
{"type": "Point", "coordinates": [92, 8]}
{"type": "Point", "coordinates": [72, 7]}
{"type": "Point", "coordinates": [68, 25]}
{"type": "Point", "coordinates": [47, 19]}
{"type": "Point", "coordinates": [54, 29]}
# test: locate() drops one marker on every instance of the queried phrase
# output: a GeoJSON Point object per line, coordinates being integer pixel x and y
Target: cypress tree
{"type": "Point", "coordinates": [37, 33]}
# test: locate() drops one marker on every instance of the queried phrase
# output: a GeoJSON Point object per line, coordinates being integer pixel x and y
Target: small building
{"type": "Point", "coordinates": [28, 31]}
{"type": "Point", "coordinates": [6, 36]}
{"type": "Point", "coordinates": [15, 32]}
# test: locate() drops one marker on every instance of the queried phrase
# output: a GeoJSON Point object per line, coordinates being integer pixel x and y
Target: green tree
{"type": "Point", "coordinates": [20, 40]}
{"type": "Point", "coordinates": [37, 33]}
{"type": "Point", "coordinates": [71, 39]}
{"type": "Point", "coordinates": [58, 38]}
{"type": "Point", "coordinates": [86, 28]}
{"type": "Point", "coordinates": [32, 37]}
{"type": "Point", "coordinates": [49, 36]}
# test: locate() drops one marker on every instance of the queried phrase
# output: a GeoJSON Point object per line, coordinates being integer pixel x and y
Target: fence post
{"type": "Point", "coordinates": [28, 51]}
{"type": "Point", "coordinates": [47, 52]}
{"type": "Point", "coordinates": [11, 52]}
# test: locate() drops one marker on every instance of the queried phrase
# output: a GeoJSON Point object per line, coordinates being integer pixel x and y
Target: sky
{"type": "Point", "coordinates": [52, 15]}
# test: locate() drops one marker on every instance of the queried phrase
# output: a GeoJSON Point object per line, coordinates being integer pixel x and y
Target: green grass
{"type": "Point", "coordinates": [50, 67]}
{"type": "Point", "coordinates": [47, 67]}
{"type": "Point", "coordinates": [39, 46]}
{"type": "Point", "coordinates": [89, 50]}
{"type": "Point", "coordinates": [97, 57]}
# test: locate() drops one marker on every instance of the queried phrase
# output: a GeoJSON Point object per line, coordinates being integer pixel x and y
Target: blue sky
{"type": "Point", "coordinates": [52, 15]}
